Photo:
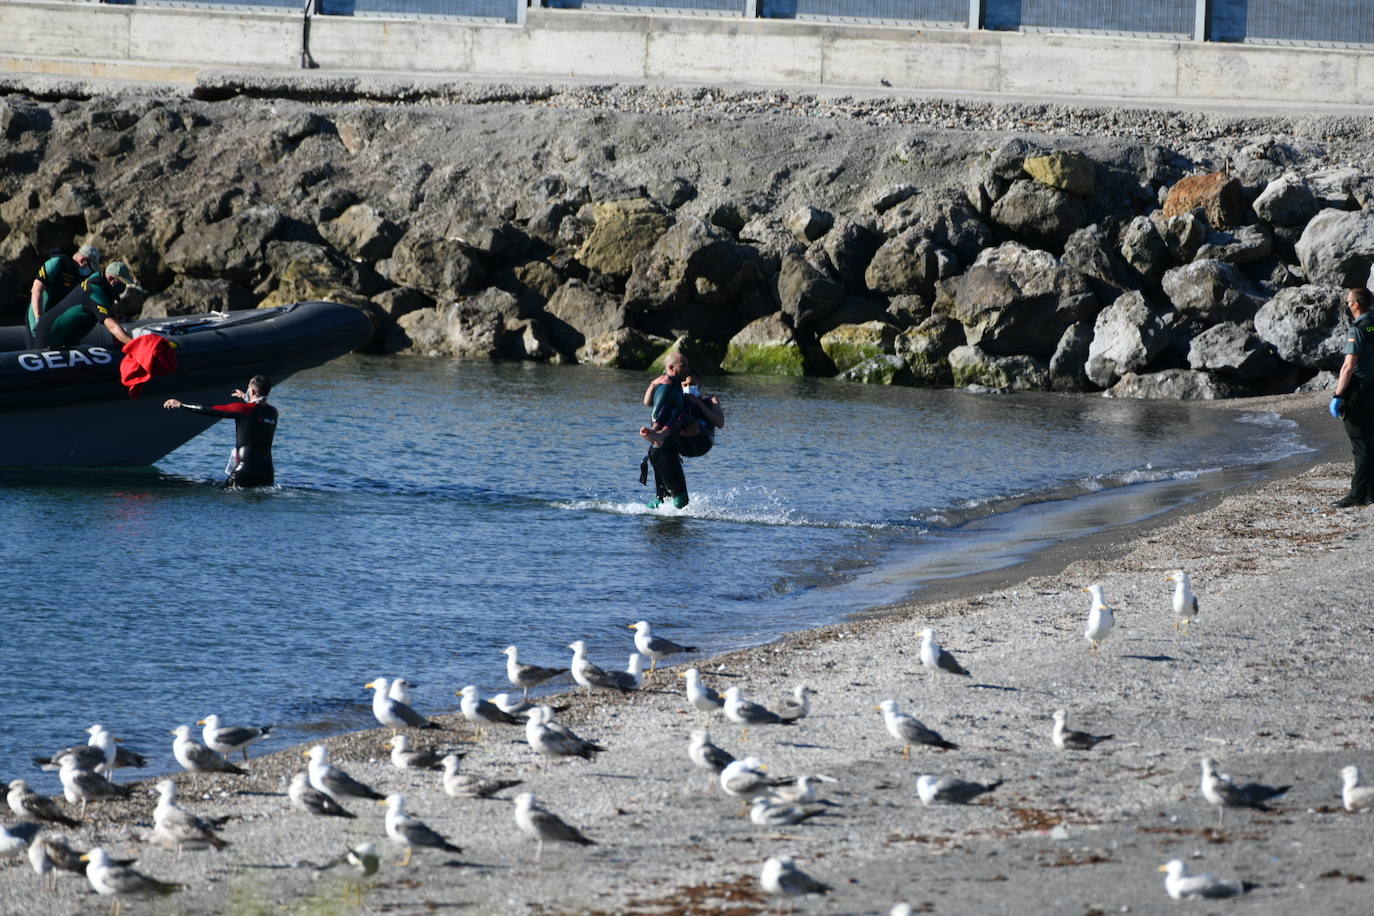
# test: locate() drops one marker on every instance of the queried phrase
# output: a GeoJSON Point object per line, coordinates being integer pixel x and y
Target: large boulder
{"type": "Point", "coordinates": [1066, 170]}
{"type": "Point", "coordinates": [231, 248]}
{"type": "Point", "coordinates": [188, 296]}
{"type": "Point", "coordinates": [850, 247]}
{"type": "Point", "coordinates": [301, 271]}
{"type": "Point", "coordinates": [1070, 357]}
{"type": "Point", "coordinates": [1183, 233]}
{"type": "Point", "coordinates": [988, 179]}
{"type": "Point", "coordinates": [971, 365]}
{"type": "Point", "coordinates": [624, 348]}
{"type": "Point", "coordinates": [884, 369]}
{"type": "Point", "coordinates": [1212, 291]}
{"type": "Point", "coordinates": [1143, 248]}
{"type": "Point", "coordinates": [1243, 245]}
{"type": "Point", "coordinates": [1040, 214]}
{"type": "Point", "coordinates": [851, 344]}
{"type": "Point", "coordinates": [1307, 325]}
{"type": "Point", "coordinates": [1233, 349]}
{"type": "Point", "coordinates": [1089, 252]}
{"type": "Point", "coordinates": [907, 263]}
{"type": "Point", "coordinates": [808, 224]}
{"type": "Point", "coordinates": [1016, 299]}
{"type": "Point", "coordinates": [475, 328]}
{"type": "Point", "coordinates": [623, 228]}
{"type": "Point", "coordinates": [944, 217]}
{"type": "Point", "coordinates": [442, 268]}
{"type": "Point", "coordinates": [1173, 384]}
{"type": "Point", "coordinates": [926, 348]}
{"type": "Point", "coordinates": [693, 260]}
{"type": "Point", "coordinates": [1218, 195]}
{"type": "Point", "coordinates": [766, 346]}
{"type": "Point", "coordinates": [1286, 201]}
{"type": "Point", "coordinates": [1337, 248]}
{"type": "Point", "coordinates": [578, 312]}
{"type": "Point", "coordinates": [361, 232]}
{"type": "Point", "coordinates": [1127, 335]}
{"type": "Point", "coordinates": [805, 293]}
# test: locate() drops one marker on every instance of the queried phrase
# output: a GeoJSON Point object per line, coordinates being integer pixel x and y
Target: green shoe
{"type": "Point", "coordinates": [679, 502]}
{"type": "Point", "coordinates": [653, 504]}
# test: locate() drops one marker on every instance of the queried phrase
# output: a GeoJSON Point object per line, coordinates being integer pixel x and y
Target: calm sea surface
{"type": "Point", "coordinates": [429, 513]}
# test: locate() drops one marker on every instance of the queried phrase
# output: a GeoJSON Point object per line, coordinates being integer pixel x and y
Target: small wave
{"type": "Point", "coordinates": [732, 506]}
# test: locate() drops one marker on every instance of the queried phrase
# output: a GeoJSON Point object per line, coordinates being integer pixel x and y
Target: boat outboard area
{"type": "Point", "coordinates": [70, 408]}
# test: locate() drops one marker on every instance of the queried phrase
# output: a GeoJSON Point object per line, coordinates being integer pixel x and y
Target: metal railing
{"type": "Point", "coordinates": [919, 13]}
{"type": "Point", "coordinates": [1143, 18]}
{"type": "Point", "coordinates": [1307, 22]}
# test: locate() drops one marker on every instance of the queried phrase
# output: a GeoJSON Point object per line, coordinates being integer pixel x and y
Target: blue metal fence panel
{"type": "Point", "coordinates": [950, 13]}
{"type": "Point", "coordinates": [699, 7]}
{"type": "Point", "coordinates": [1329, 22]}
{"type": "Point", "coordinates": [465, 9]}
{"type": "Point", "coordinates": [1171, 18]}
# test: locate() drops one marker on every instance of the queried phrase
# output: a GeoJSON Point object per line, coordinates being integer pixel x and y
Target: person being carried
{"type": "Point", "coordinates": [58, 276]}
{"type": "Point", "coordinates": [255, 424]}
{"type": "Point", "coordinates": [65, 324]}
{"type": "Point", "coordinates": [695, 437]}
{"type": "Point", "coordinates": [1352, 400]}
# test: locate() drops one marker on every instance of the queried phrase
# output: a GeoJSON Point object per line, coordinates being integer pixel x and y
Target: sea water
{"type": "Point", "coordinates": [428, 513]}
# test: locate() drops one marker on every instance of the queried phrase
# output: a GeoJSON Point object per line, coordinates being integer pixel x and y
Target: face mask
{"type": "Point", "coordinates": [693, 390]}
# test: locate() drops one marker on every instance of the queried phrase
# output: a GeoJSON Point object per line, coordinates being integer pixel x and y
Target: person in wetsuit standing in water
{"type": "Point", "coordinates": [255, 423]}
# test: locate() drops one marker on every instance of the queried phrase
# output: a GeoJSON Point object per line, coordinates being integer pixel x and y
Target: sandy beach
{"type": "Point", "coordinates": [1274, 681]}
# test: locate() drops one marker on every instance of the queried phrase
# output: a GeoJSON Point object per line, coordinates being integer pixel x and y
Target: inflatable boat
{"type": "Point", "coordinates": [69, 408]}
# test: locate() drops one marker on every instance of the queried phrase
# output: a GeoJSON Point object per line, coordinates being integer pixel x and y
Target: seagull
{"type": "Point", "coordinates": [1185, 602]}
{"type": "Point", "coordinates": [95, 754]}
{"type": "Point", "coordinates": [802, 790]}
{"type": "Point", "coordinates": [655, 647]}
{"type": "Point", "coordinates": [708, 756]}
{"type": "Point", "coordinates": [409, 832]}
{"type": "Point", "coordinates": [1067, 738]}
{"type": "Point", "coordinates": [178, 827]}
{"type": "Point", "coordinates": [195, 757]}
{"type": "Point", "coordinates": [782, 878]}
{"type": "Point", "coordinates": [400, 690]}
{"type": "Point", "coordinates": [909, 730]}
{"type": "Point", "coordinates": [542, 824]}
{"type": "Point", "coordinates": [551, 739]}
{"type": "Point", "coordinates": [1221, 791]}
{"type": "Point", "coordinates": [768, 811]}
{"type": "Point", "coordinates": [25, 802]}
{"type": "Point", "coordinates": [110, 879]}
{"type": "Point", "coordinates": [402, 757]}
{"type": "Point", "coordinates": [394, 714]}
{"type": "Point", "coordinates": [947, 789]}
{"type": "Point", "coordinates": [475, 709]}
{"type": "Point", "coordinates": [363, 859]}
{"type": "Point", "coordinates": [81, 785]}
{"type": "Point", "coordinates": [1355, 796]}
{"type": "Point", "coordinates": [743, 712]}
{"type": "Point", "coordinates": [50, 854]}
{"type": "Point", "coordinates": [467, 785]}
{"type": "Point", "coordinates": [229, 738]}
{"type": "Point", "coordinates": [332, 781]}
{"type": "Point", "coordinates": [937, 658]}
{"type": "Point", "coordinates": [15, 838]}
{"type": "Point", "coordinates": [117, 756]}
{"type": "Point", "coordinates": [1183, 886]}
{"type": "Point", "coordinates": [527, 676]}
{"type": "Point", "coordinates": [1100, 619]}
{"type": "Point", "coordinates": [698, 694]}
{"type": "Point", "coordinates": [798, 705]}
{"type": "Point", "coordinates": [589, 675]}
{"type": "Point", "coordinates": [746, 779]}
{"type": "Point", "coordinates": [312, 801]}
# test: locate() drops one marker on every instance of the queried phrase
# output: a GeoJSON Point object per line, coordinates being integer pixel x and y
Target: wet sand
{"type": "Point", "coordinates": [1275, 681]}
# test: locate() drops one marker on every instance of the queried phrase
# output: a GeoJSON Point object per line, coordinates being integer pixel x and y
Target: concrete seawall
{"type": "Point", "coordinates": [161, 44]}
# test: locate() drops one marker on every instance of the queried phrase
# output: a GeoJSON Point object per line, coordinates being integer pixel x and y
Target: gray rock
{"type": "Point", "coordinates": [1127, 335]}
{"type": "Point", "coordinates": [851, 344]}
{"type": "Point", "coordinates": [808, 224]}
{"type": "Point", "coordinates": [943, 217]}
{"type": "Point", "coordinates": [906, 263]}
{"type": "Point", "coordinates": [1211, 291]}
{"type": "Point", "coordinates": [440, 267]}
{"type": "Point", "coordinates": [693, 260]}
{"type": "Point", "coordinates": [926, 348]}
{"type": "Point", "coordinates": [972, 365]}
{"type": "Point", "coordinates": [885, 369]}
{"type": "Point", "coordinates": [232, 248]}
{"type": "Point", "coordinates": [361, 232]}
{"type": "Point", "coordinates": [1020, 300]}
{"type": "Point", "coordinates": [1322, 381]}
{"type": "Point", "coordinates": [1070, 356]}
{"type": "Point", "coordinates": [908, 310]}
{"type": "Point", "coordinates": [1307, 325]}
{"type": "Point", "coordinates": [1335, 187]}
{"type": "Point", "coordinates": [1040, 214]}
{"type": "Point", "coordinates": [1089, 252]}
{"type": "Point", "coordinates": [1233, 349]}
{"type": "Point", "coordinates": [771, 239]}
{"type": "Point", "coordinates": [886, 199]}
{"type": "Point", "coordinates": [850, 247]}
{"type": "Point", "coordinates": [1183, 234]}
{"type": "Point", "coordinates": [622, 229]}
{"type": "Point", "coordinates": [624, 348]}
{"type": "Point", "coordinates": [1286, 201]}
{"type": "Point", "coordinates": [188, 296]}
{"type": "Point", "coordinates": [1173, 384]}
{"type": "Point", "coordinates": [578, 312]}
{"type": "Point", "coordinates": [1143, 248]}
{"type": "Point", "coordinates": [1337, 248]}
{"type": "Point", "coordinates": [1242, 245]}
{"type": "Point", "coordinates": [402, 300]}
{"type": "Point", "coordinates": [766, 346]}
{"type": "Point", "coordinates": [672, 192]}
{"type": "Point", "coordinates": [805, 293]}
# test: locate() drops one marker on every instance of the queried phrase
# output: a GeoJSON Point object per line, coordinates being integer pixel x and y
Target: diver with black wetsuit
{"type": "Point", "coordinates": [255, 424]}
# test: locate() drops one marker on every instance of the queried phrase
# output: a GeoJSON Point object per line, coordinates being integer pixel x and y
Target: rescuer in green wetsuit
{"type": "Point", "coordinates": [57, 277]}
{"type": "Point", "coordinates": [89, 304]}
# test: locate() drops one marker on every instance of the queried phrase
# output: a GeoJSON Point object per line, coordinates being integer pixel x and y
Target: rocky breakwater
{"type": "Point", "coordinates": [877, 252]}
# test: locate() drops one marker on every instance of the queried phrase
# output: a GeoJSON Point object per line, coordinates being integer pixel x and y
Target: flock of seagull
{"type": "Point", "coordinates": [323, 789]}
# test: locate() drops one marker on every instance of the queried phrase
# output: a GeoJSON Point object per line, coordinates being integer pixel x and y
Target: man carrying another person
{"type": "Point", "coordinates": [679, 427]}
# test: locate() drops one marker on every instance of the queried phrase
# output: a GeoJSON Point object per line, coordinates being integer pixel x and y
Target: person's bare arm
{"type": "Point", "coordinates": [117, 329]}
{"type": "Point", "coordinates": [1347, 375]}
{"type": "Point", "coordinates": [710, 409]}
{"type": "Point", "coordinates": [649, 392]}
{"type": "Point", "coordinates": [35, 298]}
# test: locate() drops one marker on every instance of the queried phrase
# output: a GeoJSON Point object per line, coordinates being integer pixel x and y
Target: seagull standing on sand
{"type": "Point", "coordinates": [332, 781]}
{"type": "Point", "coordinates": [26, 803]}
{"type": "Point", "coordinates": [50, 854]}
{"type": "Point", "coordinates": [699, 695]}
{"type": "Point", "coordinates": [468, 785]}
{"type": "Point", "coordinates": [195, 757]}
{"type": "Point", "coordinates": [410, 832]}
{"type": "Point", "coordinates": [745, 779]}
{"type": "Point", "coordinates": [803, 790]}
{"type": "Point", "coordinates": [937, 658]}
{"type": "Point", "coordinates": [770, 811]}
{"type": "Point", "coordinates": [312, 801]}
{"type": "Point", "coordinates": [1354, 796]}
{"type": "Point", "coordinates": [589, 675]}
{"type": "Point", "coordinates": [910, 730]}
{"type": "Point", "coordinates": [403, 757]}
{"type": "Point", "coordinates": [365, 862]}
{"type": "Point", "coordinates": [1185, 602]}
{"type": "Point", "coordinates": [394, 714]}
{"type": "Point", "coordinates": [542, 824]}
{"type": "Point", "coordinates": [552, 739]}
{"type": "Point", "coordinates": [1221, 791]}
{"type": "Point", "coordinates": [229, 738]}
{"type": "Point", "coordinates": [743, 712]}
{"type": "Point", "coordinates": [179, 828]}
{"type": "Point", "coordinates": [1183, 886]}
{"type": "Point", "coordinates": [1068, 739]}
{"type": "Point", "coordinates": [1101, 619]}
{"type": "Point", "coordinates": [80, 785]}
{"type": "Point", "coordinates": [655, 647]}
{"type": "Point", "coordinates": [782, 878]}
{"type": "Point", "coordinates": [798, 705]}
{"type": "Point", "coordinates": [482, 712]}
{"type": "Point", "coordinates": [15, 838]}
{"type": "Point", "coordinates": [633, 675]}
{"type": "Point", "coordinates": [948, 790]}
{"type": "Point", "coordinates": [527, 676]}
{"type": "Point", "coordinates": [117, 881]}
{"type": "Point", "coordinates": [708, 756]}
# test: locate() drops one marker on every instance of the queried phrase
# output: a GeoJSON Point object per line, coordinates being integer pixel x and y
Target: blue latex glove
{"type": "Point", "coordinates": [1337, 407]}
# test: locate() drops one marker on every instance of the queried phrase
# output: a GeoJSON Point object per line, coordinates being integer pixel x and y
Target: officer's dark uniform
{"type": "Point", "coordinates": [82, 309]}
{"type": "Point", "coordinates": [60, 274]}
{"type": "Point", "coordinates": [1359, 409]}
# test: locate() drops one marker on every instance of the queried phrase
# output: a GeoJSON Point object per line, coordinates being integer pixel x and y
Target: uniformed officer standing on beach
{"type": "Point", "coordinates": [1353, 399]}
